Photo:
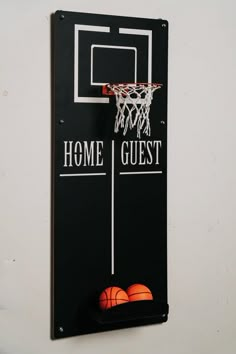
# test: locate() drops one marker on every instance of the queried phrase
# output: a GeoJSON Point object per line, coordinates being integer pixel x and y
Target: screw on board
{"type": "Point", "coordinates": [163, 122]}
{"type": "Point", "coordinates": [163, 25]}
{"type": "Point", "coordinates": [61, 121]}
{"type": "Point", "coordinates": [61, 329]}
{"type": "Point", "coordinates": [62, 17]}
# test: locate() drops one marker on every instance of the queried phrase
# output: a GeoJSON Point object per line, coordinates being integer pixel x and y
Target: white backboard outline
{"type": "Point", "coordinates": [130, 31]}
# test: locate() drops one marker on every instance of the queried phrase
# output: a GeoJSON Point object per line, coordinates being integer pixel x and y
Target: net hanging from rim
{"type": "Point", "coordinates": [133, 103]}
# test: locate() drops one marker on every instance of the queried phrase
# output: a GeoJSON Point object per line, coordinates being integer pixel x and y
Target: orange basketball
{"type": "Point", "coordinates": [137, 292]}
{"type": "Point", "coordinates": [112, 296]}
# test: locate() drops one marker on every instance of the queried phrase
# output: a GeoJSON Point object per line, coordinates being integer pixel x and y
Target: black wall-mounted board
{"type": "Point", "coordinates": [109, 208]}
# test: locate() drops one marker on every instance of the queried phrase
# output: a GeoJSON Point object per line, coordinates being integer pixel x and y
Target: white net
{"type": "Point", "coordinates": [133, 103]}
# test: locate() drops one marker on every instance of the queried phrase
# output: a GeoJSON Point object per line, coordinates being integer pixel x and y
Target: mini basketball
{"type": "Point", "coordinates": [137, 292]}
{"type": "Point", "coordinates": [111, 297]}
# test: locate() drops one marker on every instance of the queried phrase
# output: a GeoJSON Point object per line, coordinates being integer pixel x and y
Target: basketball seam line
{"type": "Point", "coordinates": [143, 292]}
{"type": "Point", "coordinates": [117, 295]}
{"type": "Point", "coordinates": [105, 299]}
{"type": "Point", "coordinates": [114, 299]}
{"type": "Point", "coordinates": [110, 297]}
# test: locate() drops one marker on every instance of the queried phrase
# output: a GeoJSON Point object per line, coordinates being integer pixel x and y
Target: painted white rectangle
{"type": "Point", "coordinates": [90, 28]}
{"type": "Point", "coordinates": [112, 47]}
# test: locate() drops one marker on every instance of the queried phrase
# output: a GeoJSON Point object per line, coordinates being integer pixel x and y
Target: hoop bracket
{"type": "Point", "coordinates": [107, 89]}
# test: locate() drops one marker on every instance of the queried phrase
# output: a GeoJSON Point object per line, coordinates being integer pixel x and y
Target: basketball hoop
{"type": "Point", "coordinates": [133, 101]}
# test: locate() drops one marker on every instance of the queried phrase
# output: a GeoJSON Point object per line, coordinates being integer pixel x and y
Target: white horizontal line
{"type": "Point", "coordinates": [81, 174]}
{"type": "Point", "coordinates": [140, 32]}
{"type": "Point", "coordinates": [113, 47]}
{"type": "Point", "coordinates": [92, 28]}
{"type": "Point", "coordinates": [91, 99]}
{"type": "Point", "coordinates": [141, 173]}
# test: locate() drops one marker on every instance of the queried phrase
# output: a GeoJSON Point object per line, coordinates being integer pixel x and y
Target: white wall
{"type": "Point", "coordinates": [201, 183]}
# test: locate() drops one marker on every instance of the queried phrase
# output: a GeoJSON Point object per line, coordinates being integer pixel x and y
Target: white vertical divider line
{"type": "Point", "coordinates": [112, 210]}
